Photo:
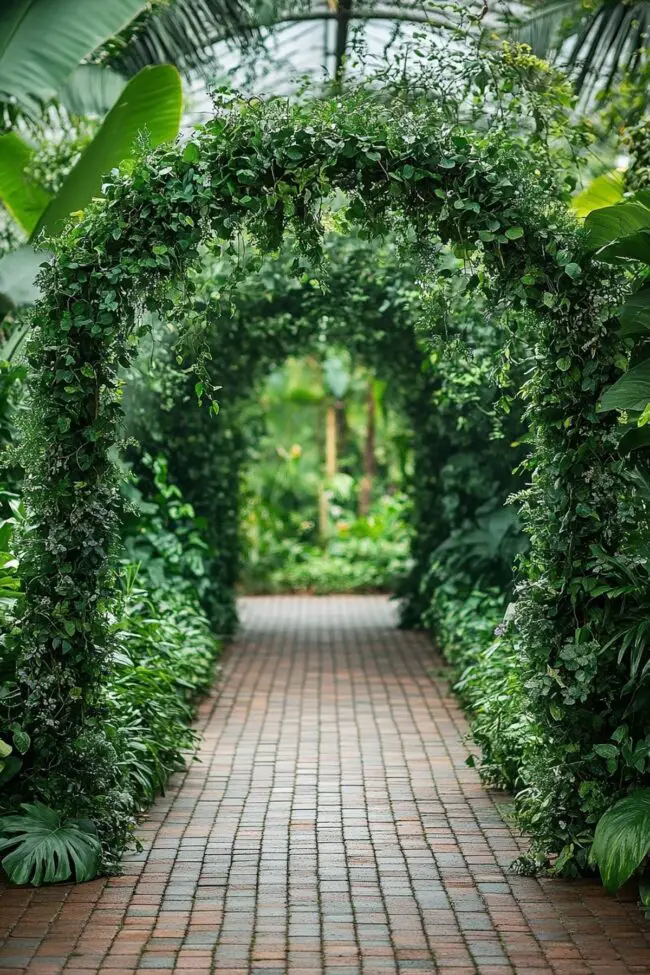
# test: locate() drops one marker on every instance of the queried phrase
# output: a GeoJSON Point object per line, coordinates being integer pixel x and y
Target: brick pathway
{"type": "Point", "coordinates": [332, 826]}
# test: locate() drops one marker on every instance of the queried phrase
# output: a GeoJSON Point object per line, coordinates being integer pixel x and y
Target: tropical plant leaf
{"type": "Point", "coordinates": [613, 222]}
{"type": "Point", "coordinates": [635, 439]}
{"type": "Point", "coordinates": [543, 28]}
{"type": "Point", "coordinates": [45, 848]}
{"type": "Point", "coordinates": [630, 392]}
{"type": "Point", "coordinates": [184, 32]}
{"type": "Point", "coordinates": [634, 247]}
{"type": "Point", "coordinates": [93, 89]}
{"type": "Point", "coordinates": [622, 839]}
{"type": "Point", "coordinates": [43, 41]}
{"type": "Point", "coordinates": [17, 272]}
{"type": "Point", "coordinates": [610, 42]}
{"type": "Point", "coordinates": [153, 101]}
{"type": "Point", "coordinates": [603, 191]}
{"type": "Point", "coordinates": [24, 199]}
{"type": "Point", "coordinates": [634, 316]}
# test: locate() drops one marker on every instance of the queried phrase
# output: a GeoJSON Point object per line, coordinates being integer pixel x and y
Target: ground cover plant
{"type": "Point", "coordinates": [478, 205]}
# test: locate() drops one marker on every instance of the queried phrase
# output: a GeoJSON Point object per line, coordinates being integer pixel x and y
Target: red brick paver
{"type": "Point", "coordinates": [331, 826]}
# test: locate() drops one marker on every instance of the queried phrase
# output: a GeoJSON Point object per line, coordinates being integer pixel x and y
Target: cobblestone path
{"type": "Point", "coordinates": [331, 826]}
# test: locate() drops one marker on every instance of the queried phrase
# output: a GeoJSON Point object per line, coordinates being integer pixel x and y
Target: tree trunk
{"type": "Point", "coordinates": [365, 490]}
{"type": "Point", "coordinates": [330, 442]}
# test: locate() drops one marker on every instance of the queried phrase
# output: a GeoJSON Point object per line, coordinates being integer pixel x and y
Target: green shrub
{"type": "Point", "coordinates": [164, 660]}
{"type": "Point", "coordinates": [467, 624]}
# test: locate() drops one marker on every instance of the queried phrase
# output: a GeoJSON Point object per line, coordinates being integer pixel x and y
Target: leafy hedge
{"type": "Point", "coordinates": [487, 678]}
{"type": "Point", "coordinates": [163, 658]}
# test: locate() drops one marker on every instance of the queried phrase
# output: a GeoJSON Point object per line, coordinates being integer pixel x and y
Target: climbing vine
{"type": "Point", "coordinates": [264, 172]}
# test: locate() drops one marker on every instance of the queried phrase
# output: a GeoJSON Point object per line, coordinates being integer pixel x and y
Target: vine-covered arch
{"type": "Point", "coordinates": [366, 300]}
{"type": "Point", "coordinates": [260, 171]}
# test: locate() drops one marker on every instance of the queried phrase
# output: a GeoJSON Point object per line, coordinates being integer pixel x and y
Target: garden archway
{"type": "Point", "coordinates": [262, 169]}
{"type": "Point", "coordinates": [366, 301]}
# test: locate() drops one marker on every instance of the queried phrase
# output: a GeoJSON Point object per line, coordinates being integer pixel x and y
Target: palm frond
{"type": "Point", "coordinates": [183, 33]}
{"type": "Point", "coordinates": [598, 47]}
{"type": "Point", "coordinates": [610, 43]}
{"type": "Point", "coordinates": [545, 28]}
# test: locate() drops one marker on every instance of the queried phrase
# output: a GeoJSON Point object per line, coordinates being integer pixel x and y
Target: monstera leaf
{"type": "Point", "coordinates": [622, 839]}
{"type": "Point", "coordinates": [45, 848]}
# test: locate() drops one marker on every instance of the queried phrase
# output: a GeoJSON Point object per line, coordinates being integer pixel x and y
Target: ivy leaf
{"type": "Point", "coordinates": [22, 741]}
{"type": "Point", "coordinates": [622, 839]}
{"type": "Point", "coordinates": [606, 751]}
{"type": "Point", "coordinates": [514, 233]}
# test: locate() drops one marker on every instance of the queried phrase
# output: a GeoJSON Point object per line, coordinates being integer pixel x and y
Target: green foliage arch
{"type": "Point", "coordinates": [263, 171]}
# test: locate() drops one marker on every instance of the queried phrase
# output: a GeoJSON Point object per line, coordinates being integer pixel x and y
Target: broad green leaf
{"type": "Point", "coordinates": [634, 247]}
{"type": "Point", "coordinates": [23, 198]}
{"type": "Point", "coordinates": [43, 41]}
{"type": "Point", "coordinates": [635, 313]}
{"type": "Point", "coordinates": [631, 392]}
{"type": "Point", "coordinates": [17, 272]}
{"type": "Point", "coordinates": [153, 101]}
{"type": "Point", "coordinates": [635, 439]}
{"type": "Point", "coordinates": [622, 839]}
{"type": "Point", "coordinates": [91, 90]}
{"type": "Point", "coordinates": [45, 848]}
{"type": "Point", "coordinates": [5, 749]}
{"type": "Point", "coordinates": [610, 223]}
{"type": "Point", "coordinates": [603, 191]}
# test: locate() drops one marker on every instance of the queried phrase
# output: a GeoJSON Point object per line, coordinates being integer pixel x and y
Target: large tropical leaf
{"type": "Point", "coordinates": [622, 839]}
{"type": "Point", "coordinates": [609, 42]}
{"type": "Point", "coordinates": [614, 222]}
{"type": "Point", "coordinates": [599, 44]}
{"type": "Point", "coordinates": [635, 314]}
{"type": "Point", "coordinates": [17, 272]}
{"type": "Point", "coordinates": [93, 89]}
{"type": "Point", "coordinates": [545, 26]}
{"type": "Point", "coordinates": [631, 392]}
{"type": "Point", "coordinates": [603, 191]}
{"type": "Point", "coordinates": [45, 848]}
{"type": "Point", "coordinates": [153, 100]}
{"type": "Point", "coordinates": [43, 41]}
{"type": "Point", "coordinates": [23, 198]}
